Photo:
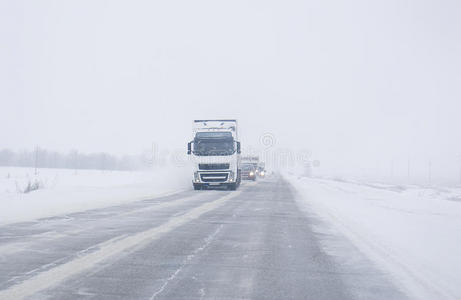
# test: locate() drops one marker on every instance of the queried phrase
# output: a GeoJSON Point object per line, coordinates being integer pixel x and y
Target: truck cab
{"type": "Point", "coordinates": [215, 152]}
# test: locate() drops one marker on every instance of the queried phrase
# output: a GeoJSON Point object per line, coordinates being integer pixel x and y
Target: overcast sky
{"type": "Point", "coordinates": [358, 83]}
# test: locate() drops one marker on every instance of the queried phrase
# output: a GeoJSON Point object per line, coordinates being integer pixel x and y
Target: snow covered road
{"type": "Point", "coordinates": [254, 243]}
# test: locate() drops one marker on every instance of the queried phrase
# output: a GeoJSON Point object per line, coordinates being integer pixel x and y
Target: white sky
{"type": "Point", "coordinates": [359, 83]}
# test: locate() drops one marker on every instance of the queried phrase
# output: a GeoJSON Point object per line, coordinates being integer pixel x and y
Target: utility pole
{"type": "Point", "coordinates": [76, 162]}
{"type": "Point", "coordinates": [459, 159]}
{"type": "Point", "coordinates": [392, 169]}
{"type": "Point", "coordinates": [36, 160]}
{"type": "Point", "coordinates": [430, 172]}
{"type": "Point", "coordinates": [408, 170]}
{"type": "Point", "coordinates": [153, 155]}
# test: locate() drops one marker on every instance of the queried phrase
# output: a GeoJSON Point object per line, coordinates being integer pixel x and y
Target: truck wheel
{"type": "Point", "coordinates": [197, 187]}
{"type": "Point", "coordinates": [232, 186]}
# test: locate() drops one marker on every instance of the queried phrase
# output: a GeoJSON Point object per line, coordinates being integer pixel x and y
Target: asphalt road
{"type": "Point", "coordinates": [253, 243]}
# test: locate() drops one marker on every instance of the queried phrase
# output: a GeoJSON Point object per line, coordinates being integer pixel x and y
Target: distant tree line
{"type": "Point", "coordinates": [42, 158]}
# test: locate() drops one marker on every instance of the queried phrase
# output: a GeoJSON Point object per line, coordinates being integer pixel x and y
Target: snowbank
{"type": "Point", "coordinates": [411, 233]}
{"type": "Point", "coordinates": [65, 191]}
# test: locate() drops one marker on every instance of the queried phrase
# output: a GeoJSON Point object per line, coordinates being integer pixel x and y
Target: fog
{"type": "Point", "coordinates": [367, 88]}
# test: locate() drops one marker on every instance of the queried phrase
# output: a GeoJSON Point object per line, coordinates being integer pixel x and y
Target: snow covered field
{"type": "Point", "coordinates": [410, 232]}
{"type": "Point", "coordinates": [64, 191]}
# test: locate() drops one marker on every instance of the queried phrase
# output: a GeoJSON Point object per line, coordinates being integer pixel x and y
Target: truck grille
{"type": "Point", "coordinates": [214, 177]}
{"type": "Point", "coordinates": [213, 166]}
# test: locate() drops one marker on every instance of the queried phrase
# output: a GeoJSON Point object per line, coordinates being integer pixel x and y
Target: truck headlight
{"type": "Point", "coordinates": [252, 173]}
{"type": "Point", "coordinates": [196, 177]}
{"type": "Point", "coordinates": [231, 176]}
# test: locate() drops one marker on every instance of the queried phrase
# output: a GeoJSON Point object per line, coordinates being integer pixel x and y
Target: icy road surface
{"type": "Point", "coordinates": [253, 243]}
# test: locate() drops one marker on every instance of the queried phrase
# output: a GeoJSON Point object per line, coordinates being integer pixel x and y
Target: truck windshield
{"type": "Point", "coordinates": [214, 146]}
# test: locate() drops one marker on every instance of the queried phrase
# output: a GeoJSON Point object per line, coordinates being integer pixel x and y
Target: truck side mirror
{"type": "Point", "coordinates": [238, 147]}
{"type": "Point", "coordinates": [189, 148]}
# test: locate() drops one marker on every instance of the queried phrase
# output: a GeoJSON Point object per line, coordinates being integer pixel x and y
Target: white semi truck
{"type": "Point", "coordinates": [215, 151]}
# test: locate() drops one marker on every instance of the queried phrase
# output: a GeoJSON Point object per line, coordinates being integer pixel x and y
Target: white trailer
{"type": "Point", "coordinates": [215, 151]}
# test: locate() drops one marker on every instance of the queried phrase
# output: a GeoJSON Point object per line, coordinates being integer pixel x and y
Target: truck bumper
{"type": "Point", "coordinates": [214, 179]}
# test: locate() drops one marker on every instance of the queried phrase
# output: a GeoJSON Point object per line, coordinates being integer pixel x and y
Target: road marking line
{"type": "Point", "coordinates": [58, 274]}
